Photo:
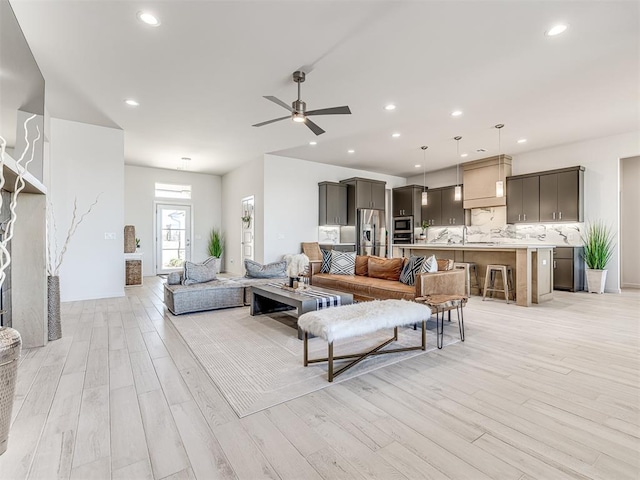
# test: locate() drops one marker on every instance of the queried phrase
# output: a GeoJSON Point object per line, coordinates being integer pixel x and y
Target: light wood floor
{"type": "Point", "coordinates": [546, 392]}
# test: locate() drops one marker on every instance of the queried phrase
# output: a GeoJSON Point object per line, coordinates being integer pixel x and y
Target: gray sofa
{"type": "Point", "coordinates": [218, 293]}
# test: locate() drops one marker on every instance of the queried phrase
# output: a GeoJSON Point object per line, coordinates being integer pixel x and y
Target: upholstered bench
{"type": "Point", "coordinates": [348, 321]}
{"type": "Point", "coordinates": [218, 293]}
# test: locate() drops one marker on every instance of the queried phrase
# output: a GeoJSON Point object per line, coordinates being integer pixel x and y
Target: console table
{"type": "Point", "coordinates": [132, 269]}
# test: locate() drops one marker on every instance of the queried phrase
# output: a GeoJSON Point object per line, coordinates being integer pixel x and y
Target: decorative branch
{"type": "Point", "coordinates": [5, 257]}
{"type": "Point", "coordinates": [55, 259]}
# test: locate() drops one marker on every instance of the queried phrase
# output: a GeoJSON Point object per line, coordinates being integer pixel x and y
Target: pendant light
{"type": "Point", "coordinates": [457, 191]}
{"type": "Point", "coordinates": [499, 183]}
{"type": "Point", "coordinates": [425, 201]}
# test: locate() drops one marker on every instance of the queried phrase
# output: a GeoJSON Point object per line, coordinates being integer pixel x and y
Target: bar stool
{"type": "Point", "coordinates": [507, 281]}
{"type": "Point", "coordinates": [467, 267]}
{"type": "Point", "coordinates": [441, 304]}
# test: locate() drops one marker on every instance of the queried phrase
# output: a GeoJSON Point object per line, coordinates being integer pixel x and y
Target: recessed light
{"type": "Point", "coordinates": [395, 135]}
{"type": "Point", "coordinates": [464, 155]}
{"type": "Point", "coordinates": [149, 19]}
{"type": "Point", "coordinates": [390, 106]}
{"type": "Point", "coordinates": [131, 102]}
{"type": "Point", "coordinates": [417, 166]}
{"type": "Point", "coordinates": [456, 113]}
{"type": "Point", "coordinates": [313, 143]}
{"type": "Point", "coordinates": [556, 30]}
{"type": "Point", "coordinates": [522, 140]}
{"type": "Point", "coordinates": [351, 151]}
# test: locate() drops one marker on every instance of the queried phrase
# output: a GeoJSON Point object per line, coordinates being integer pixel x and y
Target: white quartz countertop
{"type": "Point", "coordinates": [473, 246]}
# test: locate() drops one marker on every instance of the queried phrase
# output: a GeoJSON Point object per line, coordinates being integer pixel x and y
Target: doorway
{"type": "Point", "coordinates": [247, 234]}
{"type": "Point", "coordinates": [173, 237]}
{"type": "Point", "coordinates": [629, 224]}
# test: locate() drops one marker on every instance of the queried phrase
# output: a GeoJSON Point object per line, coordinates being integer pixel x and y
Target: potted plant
{"type": "Point", "coordinates": [424, 227]}
{"type": "Point", "coordinates": [598, 250]}
{"type": "Point", "coordinates": [216, 246]}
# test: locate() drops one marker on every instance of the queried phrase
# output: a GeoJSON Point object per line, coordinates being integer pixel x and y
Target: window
{"type": "Point", "coordinates": [167, 190]}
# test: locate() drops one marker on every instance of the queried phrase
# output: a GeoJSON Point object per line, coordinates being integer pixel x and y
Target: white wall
{"type": "Point", "coordinates": [86, 160]}
{"type": "Point", "coordinates": [601, 159]}
{"type": "Point", "coordinates": [139, 207]}
{"type": "Point", "coordinates": [440, 178]}
{"type": "Point", "coordinates": [242, 182]}
{"type": "Point", "coordinates": [630, 222]}
{"type": "Point", "coordinates": [291, 200]}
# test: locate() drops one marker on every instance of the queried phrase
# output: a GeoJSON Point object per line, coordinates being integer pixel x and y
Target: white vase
{"type": "Point", "coordinates": [217, 261]}
{"type": "Point", "coordinates": [596, 280]}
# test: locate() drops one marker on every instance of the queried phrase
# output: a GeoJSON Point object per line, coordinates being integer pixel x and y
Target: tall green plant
{"type": "Point", "coordinates": [598, 245]}
{"type": "Point", "coordinates": [216, 243]}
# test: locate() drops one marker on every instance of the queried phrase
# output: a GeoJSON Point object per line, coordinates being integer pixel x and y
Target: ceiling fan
{"type": "Point", "coordinates": [299, 112]}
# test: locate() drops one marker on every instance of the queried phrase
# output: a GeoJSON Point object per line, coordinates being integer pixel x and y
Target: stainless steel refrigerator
{"type": "Point", "coordinates": [371, 233]}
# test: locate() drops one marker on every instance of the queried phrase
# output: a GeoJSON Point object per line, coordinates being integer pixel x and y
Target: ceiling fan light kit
{"type": "Point", "coordinates": [298, 109]}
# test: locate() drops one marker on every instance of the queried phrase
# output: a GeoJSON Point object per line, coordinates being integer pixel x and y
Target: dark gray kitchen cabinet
{"type": "Point", "coordinates": [568, 269]}
{"type": "Point", "coordinates": [332, 203]}
{"type": "Point", "coordinates": [432, 212]}
{"type": "Point", "coordinates": [562, 195]}
{"type": "Point", "coordinates": [363, 193]}
{"type": "Point", "coordinates": [523, 199]}
{"type": "Point", "coordinates": [407, 202]}
{"type": "Point", "coordinates": [452, 212]}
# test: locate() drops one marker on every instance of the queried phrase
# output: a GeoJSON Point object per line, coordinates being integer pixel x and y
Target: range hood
{"type": "Point", "coordinates": [479, 180]}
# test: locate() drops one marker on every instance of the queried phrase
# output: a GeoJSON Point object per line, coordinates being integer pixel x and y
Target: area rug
{"type": "Point", "coordinates": [256, 362]}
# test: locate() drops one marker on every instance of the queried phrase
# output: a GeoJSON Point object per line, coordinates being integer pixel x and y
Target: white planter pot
{"type": "Point", "coordinates": [596, 280]}
{"type": "Point", "coordinates": [218, 263]}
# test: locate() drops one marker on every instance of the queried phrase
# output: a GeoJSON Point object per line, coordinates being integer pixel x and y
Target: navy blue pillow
{"type": "Point", "coordinates": [411, 269]}
{"type": "Point", "coordinates": [326, 261]}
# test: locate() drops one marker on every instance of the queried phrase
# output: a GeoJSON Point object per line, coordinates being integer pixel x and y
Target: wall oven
{"type": "Point", "coordinates": [403, 224]}
{"type": "Point", "coordinates": [402, 238]}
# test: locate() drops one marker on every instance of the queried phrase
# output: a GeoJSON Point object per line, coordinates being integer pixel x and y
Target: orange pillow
{"type": "Point", "coordinates": [385, 268]}
{"type": "Point", "coordinates": [362, 265]}
{"type": "Point", "coordinates": [444, 264]}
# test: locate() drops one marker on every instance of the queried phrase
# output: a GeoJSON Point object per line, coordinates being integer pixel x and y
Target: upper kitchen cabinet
{"type": "Point", "coordinates": [480, 177]}
{"type": "Point", "coordinates": [523, 199]}
{"type": "Point", "coordinates": [332, 203]}
{"type": "Point", "coordinates": [442, 208]}
{"type": "Point", "coordinates": [562, 195]}
{"type": "Point", "coordinates": [364, 193]}
{"type": "Point", "coordinates": [406, 202]}
{"type": "Point", "coordinates": [452, 212]}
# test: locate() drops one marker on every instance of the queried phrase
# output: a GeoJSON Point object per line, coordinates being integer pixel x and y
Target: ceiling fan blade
{"type": "Point", "coordinates": [331, 111]}
{"type": "Point", "coordinates": [313, 127]}
{"type": "Point", "coordinates": [270, 121]}
{"type": "Point", "coordinates": [279, 102]}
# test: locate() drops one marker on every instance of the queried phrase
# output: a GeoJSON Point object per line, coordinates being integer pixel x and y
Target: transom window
{"type": "Point", "coordinates": [168, 190]}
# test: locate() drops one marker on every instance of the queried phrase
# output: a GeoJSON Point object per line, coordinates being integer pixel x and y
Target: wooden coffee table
{"type": "Point", "coordinates": [269, 299]}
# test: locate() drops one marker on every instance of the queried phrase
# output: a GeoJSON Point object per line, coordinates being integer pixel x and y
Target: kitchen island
{"type": "Point", "coordinates": [532, 264]}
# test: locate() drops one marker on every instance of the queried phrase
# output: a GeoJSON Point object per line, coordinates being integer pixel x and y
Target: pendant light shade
{"type": "Point", "coordinates": [499, 183]}
{"type": "Point", "coordinates": [457, 192]}
{"type": "Point", "coordinates": [424, 199]}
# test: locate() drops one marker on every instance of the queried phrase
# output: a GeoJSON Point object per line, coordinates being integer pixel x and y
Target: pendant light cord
{"type": "Point", "coordinates": [499, 127]}
{"type": "Point", "coordinates": [424, 168]}
{"type": "Point", "coordinates": [457, 139]}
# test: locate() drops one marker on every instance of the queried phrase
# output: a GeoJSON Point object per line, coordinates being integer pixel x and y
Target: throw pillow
{"type": "Point", "coordinates": [199, 272]}
{"type": "Point", "coordinates": [385, 268]}
{"type": "Point", "coordinates": [270, 270]}
{"type": "Point", "coordinates": [174, 278]}
{"type": "Point", "coordinates": [412, 268]}
{"type": "Point", "coordinates": [445, 264]}
{"type": "Point", "coordinates": [362, 265]}
{"type": "Point", "coordinates": [343, 263]}
{"type": "Point", "coordinates": [326, 261]}
{"type": "Point", "coordinates": [430, 265]}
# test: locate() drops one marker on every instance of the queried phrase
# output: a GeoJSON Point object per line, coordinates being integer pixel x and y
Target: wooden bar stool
{"type": "Point", "coordinates": [467, 267]}
{"type": "Point", "coordinates": [441, 304]}
{"type": "Point", "coordinates": [507, 281]}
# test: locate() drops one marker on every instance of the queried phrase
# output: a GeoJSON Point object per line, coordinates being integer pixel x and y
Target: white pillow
{"type": "Point", "coordinates": [430, 265]}
{"type": "Point", "coordinates": [343, 263]}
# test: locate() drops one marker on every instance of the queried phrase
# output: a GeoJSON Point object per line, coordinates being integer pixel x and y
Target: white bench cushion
{"type": "Point", "coordinates": [347, 321]}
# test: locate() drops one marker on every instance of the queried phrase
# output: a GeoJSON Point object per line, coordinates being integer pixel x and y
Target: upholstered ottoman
{"type": "Point", "coordinates": [219, 293]}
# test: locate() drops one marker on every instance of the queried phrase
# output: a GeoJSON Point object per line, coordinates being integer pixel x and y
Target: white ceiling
{"type": "Point", "coordinates": [201, 75]}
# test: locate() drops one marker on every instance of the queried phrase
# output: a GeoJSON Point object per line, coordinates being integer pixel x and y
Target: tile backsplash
{"type": "Point", "coordinates": [488, 225]}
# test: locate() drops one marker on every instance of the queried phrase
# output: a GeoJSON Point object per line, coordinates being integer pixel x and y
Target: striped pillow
{"type": "Point", "coordinates": [411, 269]}
{"type": "Point", "coordinates": [430, 265]}
{"type": "Point", "coordinates": [343, 263]}
{"type": "Point", "coordinates": [326, 261]}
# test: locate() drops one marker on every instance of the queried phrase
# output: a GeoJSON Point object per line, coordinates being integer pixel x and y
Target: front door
{"type": "Point", "coordinates": [248, 220]}
{"type": "Point", "coordinates": [173, 237]}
